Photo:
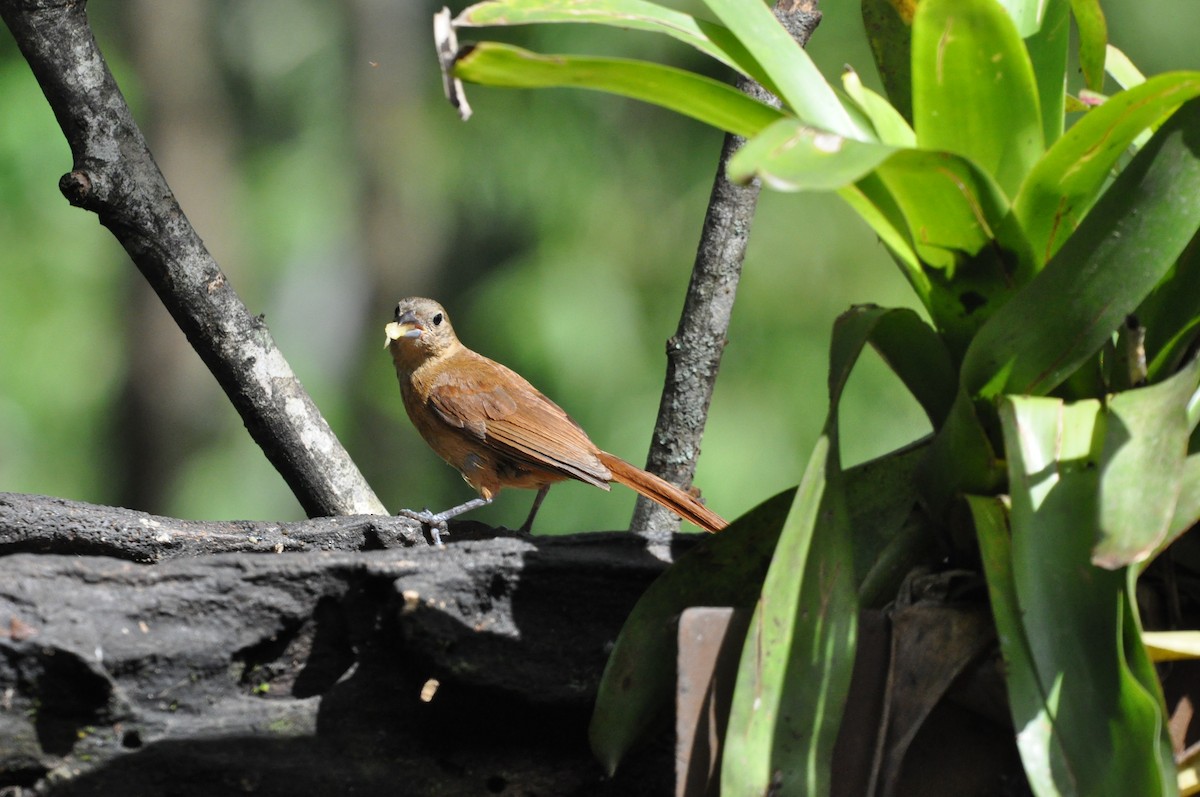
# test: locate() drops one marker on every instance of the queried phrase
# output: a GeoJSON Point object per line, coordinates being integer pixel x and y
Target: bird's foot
{"type": "Point", "coordinates": [436, 523]}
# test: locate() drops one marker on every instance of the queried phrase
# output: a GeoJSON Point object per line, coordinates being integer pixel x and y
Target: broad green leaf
{"type": "Point", "coordinates": [707, 100]}
{"type": "Point", "coordinates": [974, 92]}
{"type": "Point", "coordinates": [890, 127]}
{"type": "Point", "coordinates": [1065, 182]}
{"type": "Point", "coordinates": [1075, 617]}
{"type": "Point", "coordinates": [888, 26]}
{"type": "Point", "coordinates": [1122, 249]}
{"type": "Point", "coordinates": [1141, 469]}
{"type": "Point", "coordinates": [1093, 36]}
{"type": "Point", "coordinates": [953, 209]}
{"type": "Point", "coordinates": [970, 248]}
{"type": "Point", "coordinates": [1048, 51]}
{"type": "Point", "coordinates": [725, 569]}
{"type": "Point", "coordinates": [791, 156]}
{"type": "Point", "coordinates": [708, 37]}
{"type": "Point", "coordinates": [801, 85]}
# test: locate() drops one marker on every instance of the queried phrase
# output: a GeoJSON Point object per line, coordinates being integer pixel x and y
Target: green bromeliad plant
{"type": "Point", "coordinates": [1059, 272]}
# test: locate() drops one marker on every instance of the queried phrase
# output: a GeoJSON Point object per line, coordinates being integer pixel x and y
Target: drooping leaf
{"type": "Point", "coordinates": [1093, 37]}
{"type": "Point", "coordinates": [801, 86]}
{"type": "Point", "coordinates": [791, 156]}
{"type": "Point", "coordinates": [708, 37]}
{"type": "Point", "coordinates": [728, 569]}
{"type": "Point", "coordinates": [1122, 249]}
{"type": "Point", "coordinates": [707, 100]}
{"type": "Point", "coordinates": [1141, 469]}
{"type": "Point", "coordinates": [974, 91]}
{"type": "Point", "coordinates": [1073, 617]}
{"type": "Point", "coordinates": [1066, 181]}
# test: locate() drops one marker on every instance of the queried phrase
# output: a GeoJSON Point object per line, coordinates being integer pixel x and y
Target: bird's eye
{"type": "Point", "coordinates": [437, 319]}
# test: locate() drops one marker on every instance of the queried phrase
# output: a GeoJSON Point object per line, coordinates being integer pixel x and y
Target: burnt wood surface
{"type": "Point", "coordinates": [292, 658]}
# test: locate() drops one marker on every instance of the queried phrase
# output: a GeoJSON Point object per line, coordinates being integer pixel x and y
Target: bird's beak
{"type": "Point", "coordinates": [405, 326]}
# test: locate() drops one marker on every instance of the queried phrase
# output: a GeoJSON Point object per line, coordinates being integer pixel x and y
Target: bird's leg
{"type": "Point", "coordinates": [437, 523]}
{"type": "Point", "coordinates": [537, 503]}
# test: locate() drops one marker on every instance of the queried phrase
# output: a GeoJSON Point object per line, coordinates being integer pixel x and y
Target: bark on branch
{"type": "Point", "coordinates": [115, 176]}
{"type": "Point", "coordinates": [694, 351]}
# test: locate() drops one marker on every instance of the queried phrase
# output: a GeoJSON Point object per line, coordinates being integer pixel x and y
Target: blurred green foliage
{"type": "Point", "coordinates": [311, 146]}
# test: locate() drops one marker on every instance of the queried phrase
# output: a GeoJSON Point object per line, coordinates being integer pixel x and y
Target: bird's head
{"type": "Point", "coordinates": [421, 330]}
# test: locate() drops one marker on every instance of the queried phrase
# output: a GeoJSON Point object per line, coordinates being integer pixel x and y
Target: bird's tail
{"type": "Point", "coordinates": [663, 493]}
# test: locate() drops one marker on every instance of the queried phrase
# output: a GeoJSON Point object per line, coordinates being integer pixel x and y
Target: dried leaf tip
{"type": "Point", "coordinates": [446, 41]}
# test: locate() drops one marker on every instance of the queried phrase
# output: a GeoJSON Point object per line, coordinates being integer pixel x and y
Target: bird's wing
{"type": "Point", "coordinates": [499, 408]}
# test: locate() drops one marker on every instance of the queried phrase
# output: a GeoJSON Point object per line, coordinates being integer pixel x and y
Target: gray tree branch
{"type": "Point", "coordinates": [42, 524]}
{"type": "Point", "coordinates": [694, 351]}
{"type": "Point", "coordinates": [115, 176]}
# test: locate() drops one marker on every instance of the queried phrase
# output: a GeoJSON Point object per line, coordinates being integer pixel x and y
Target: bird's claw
{"type": "Point", "coordinates": [436, 524]}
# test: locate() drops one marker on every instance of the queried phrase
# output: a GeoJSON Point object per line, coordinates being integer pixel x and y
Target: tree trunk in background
{"type": "Point", "coordinates": [170, 404]}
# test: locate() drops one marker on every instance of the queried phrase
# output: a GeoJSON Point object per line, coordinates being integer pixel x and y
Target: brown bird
{"type": "Point", "coordinates": [497, 430]}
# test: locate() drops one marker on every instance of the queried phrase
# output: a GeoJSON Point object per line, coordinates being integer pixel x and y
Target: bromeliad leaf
{"type": "Point", "coordinates": [708, 37]}
{"type": "Point", "coordinates": [795, 669]}
{"type": "Point", "coordinates": [1077, 623]}
{"type": "Point", "coordinates": [1048, 51]}
{"type": "Point", "coordinates": [1122, 249]}
{"type": "Point", "coordinates": [974, 92]}
{"type": "Point", "coordinates": [890, 127]}
{"type": "Point", "coordinates": [801, 86]}
{"type": "Point", "coordinates": [1141, 470]}
{"type": "Point", "coordinates": [1093, 36]}
{"type": "Point", "coordinates": [707, 100]}
{"type": "Point", "coordinates": [1066, 181]}
{"type": "Point", "coordinates": [791, 156]}
{"type": "Point", "coordinates": [889, 32]}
